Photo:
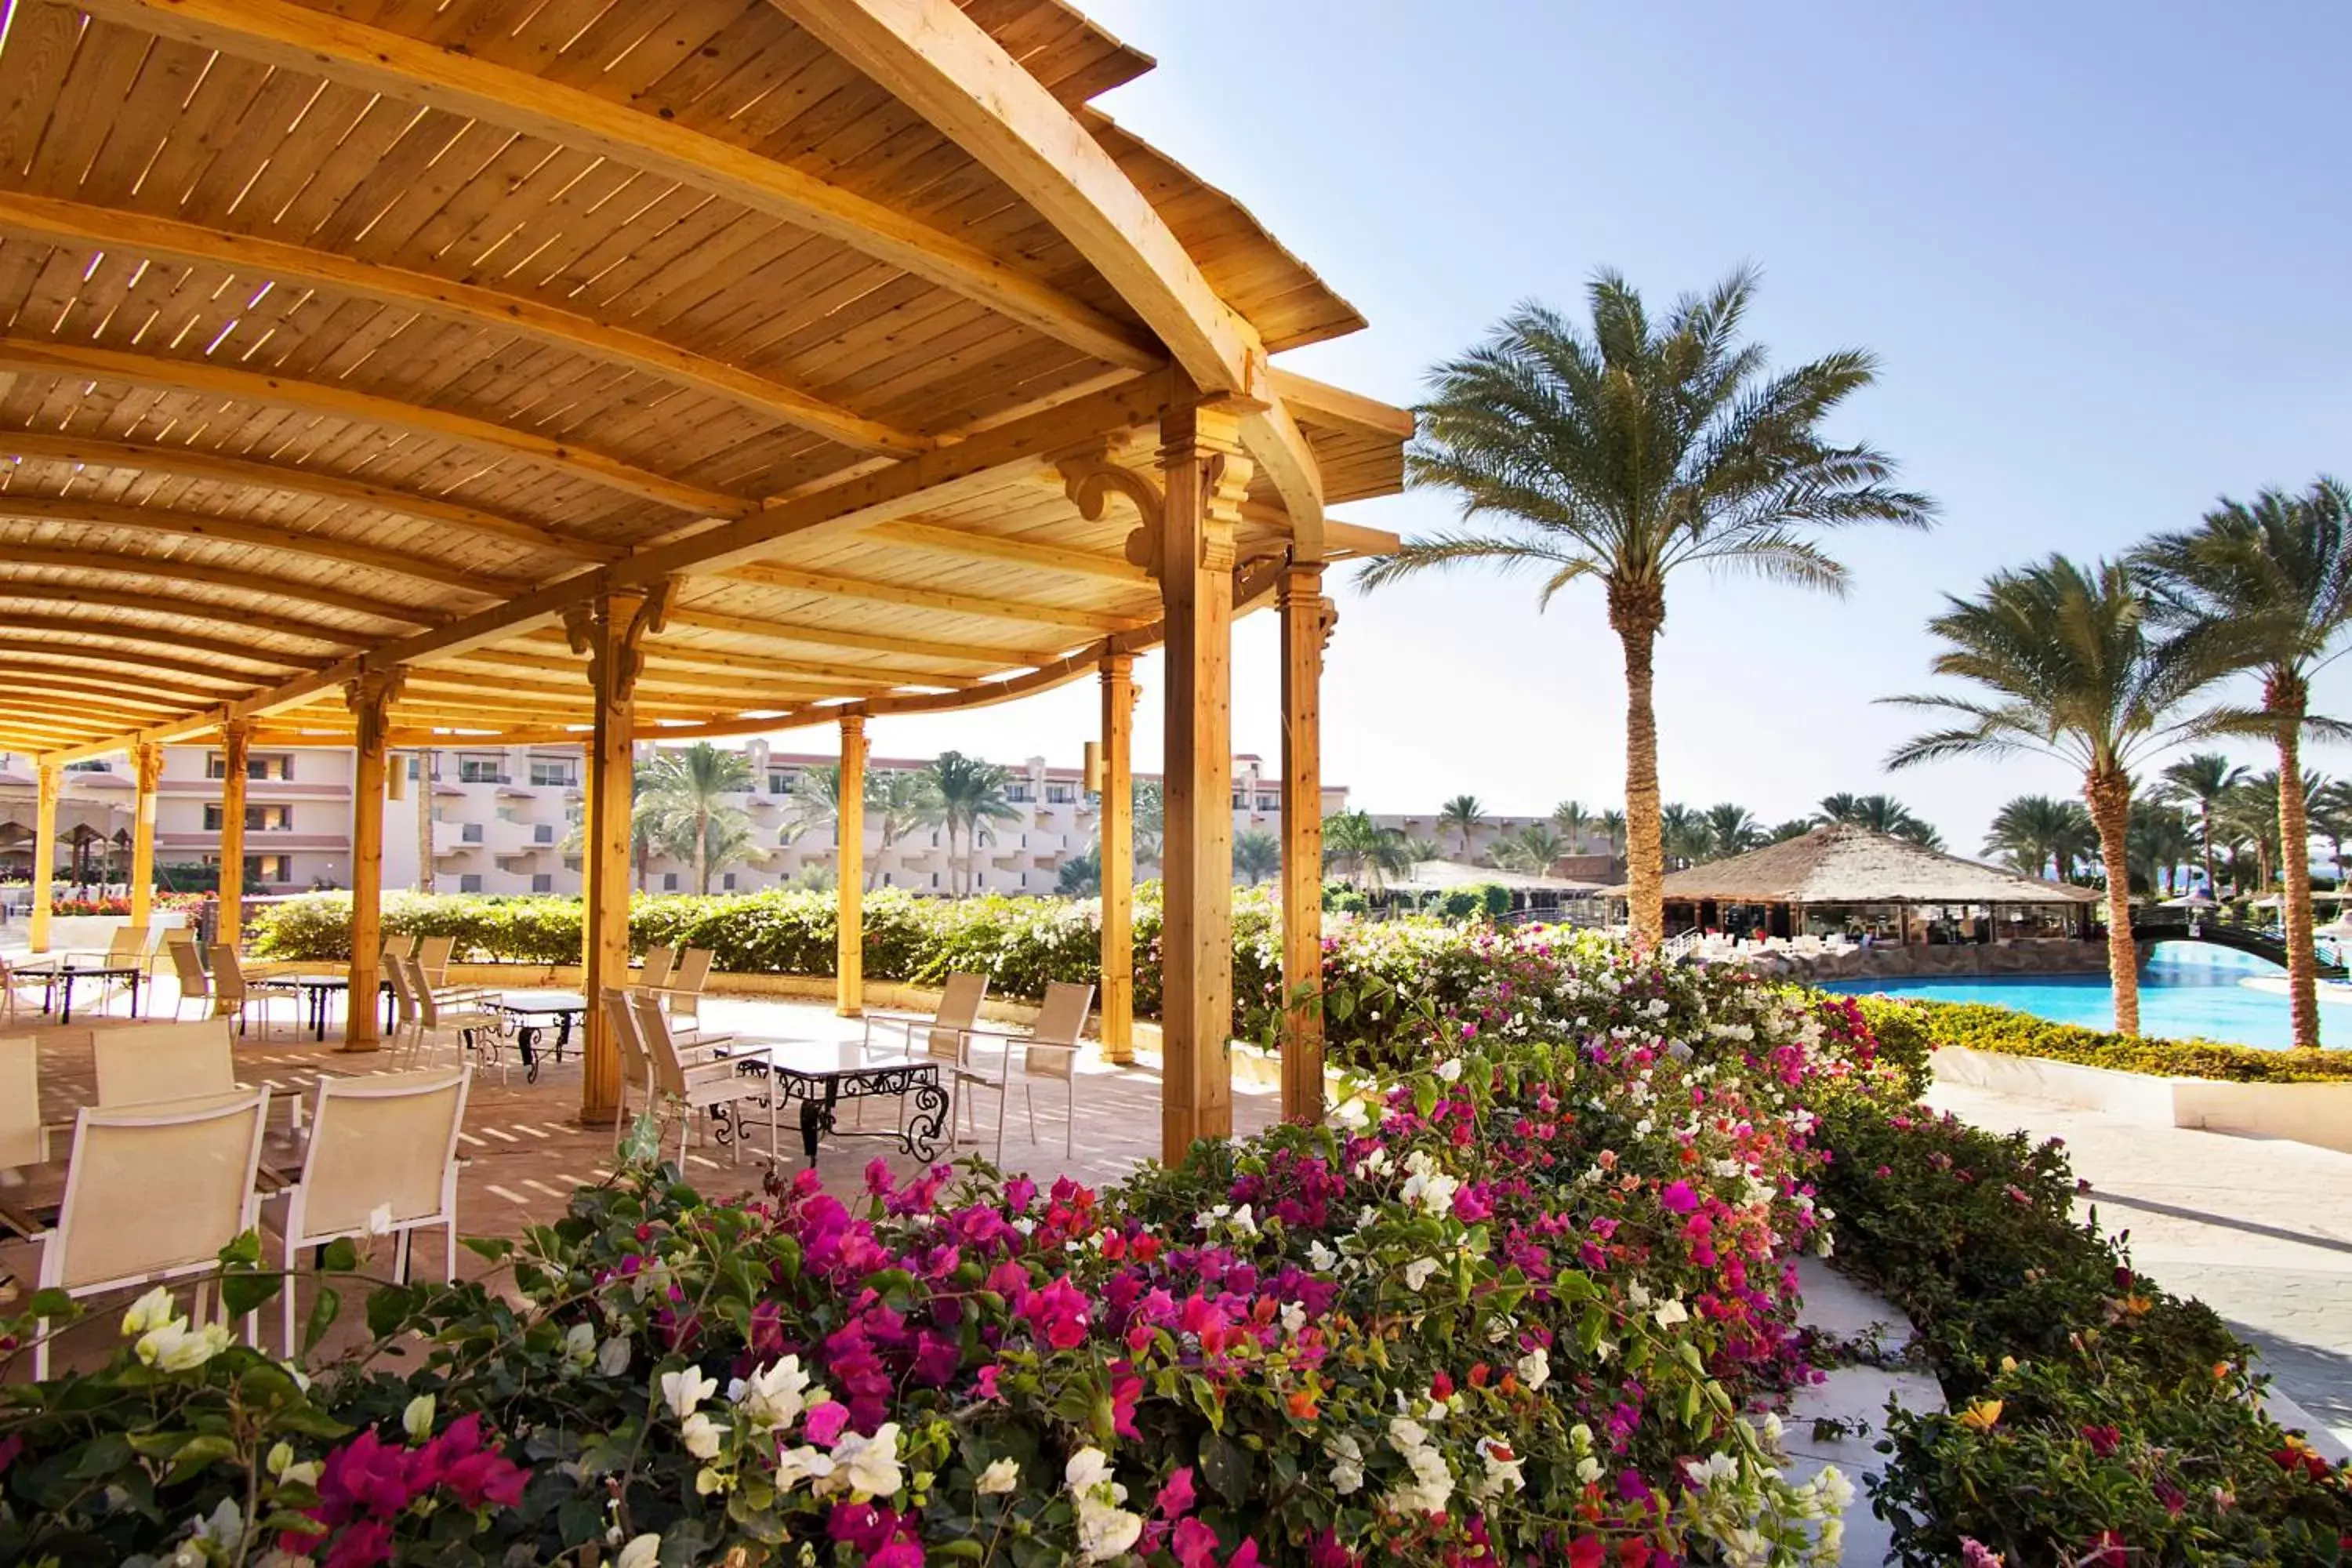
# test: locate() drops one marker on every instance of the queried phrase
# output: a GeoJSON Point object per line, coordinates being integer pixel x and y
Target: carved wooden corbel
{"type": "Point", "coordinates": [589, 627]}
{"type": "Point", "coordinates": [1091, 480]}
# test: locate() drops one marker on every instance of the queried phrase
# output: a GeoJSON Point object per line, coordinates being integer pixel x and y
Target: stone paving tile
{"type": "Point", "coordinates": [523, 1148]}
{"type": "Point", "coordinates": [2259, 1229]}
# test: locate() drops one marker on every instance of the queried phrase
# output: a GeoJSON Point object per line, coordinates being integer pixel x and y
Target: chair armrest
{"type": "Point", "coordinates": [1008, 1037]}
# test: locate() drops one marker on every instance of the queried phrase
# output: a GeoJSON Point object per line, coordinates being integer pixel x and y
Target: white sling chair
{"type": "Point", "coordinates": [140, 1064]}
{"type": "Point", "coordinates": [383, 1159]}
{"type": "Point", "coordinates": [941, 1036]}
{"type": "Point", "coordinates": [700, 1085]}
{"type": "Point", "coordinates": [24, 1141]}
{"type": "Point", "coordinates": [151, 1195]}
{"type": "Point", "coordinates": [1047, 1053]}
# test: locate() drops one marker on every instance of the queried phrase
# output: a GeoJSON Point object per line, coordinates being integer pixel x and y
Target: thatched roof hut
{"type": "Point", "coordinates": [1844, 864]}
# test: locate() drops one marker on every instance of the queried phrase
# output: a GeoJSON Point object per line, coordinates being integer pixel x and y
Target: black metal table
{"type": "Point", "coordinates": [530, 1010]}
{"type": "Point", "coordinates": [821, 1074]}
{"type": "Point", "coordinates": [57, 980]}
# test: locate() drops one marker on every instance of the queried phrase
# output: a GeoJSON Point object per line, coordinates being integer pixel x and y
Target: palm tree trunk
{"type": "Point", "coordinates": [2205, 827]}
{"type": "Point", "coordinates": [2294, 862]}
{"type": "Point", "coordinates": [2109, 797]}
{"type": "Point", "coordinates": [702, 852]}
{"type": "Point", "coordinates": [1635, 615]}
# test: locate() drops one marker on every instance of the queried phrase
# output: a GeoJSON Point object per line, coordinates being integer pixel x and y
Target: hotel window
{"type": "Point", "coordinates": [727, 881]}
{"type": "Point", "coordinates": [267, 868]}
{"type": "Point", "coordinates": [257, 818]}
{"type": "Point", "coordinates": [542, 882]}
{"type": "Point", "coordinates": [1269, 803]}
{"type": "Point", "coordinates": [1020, 791]}
{"type": "Point", "coordinates": [669, 881]}
{"type": "Point", "coordinates": [469, 882]}
{"type": "Point", "coordinates": [781, 780]}
{"type": "Point", "coordinates": [278, 766]}
{"type": "Point", "coordinates": [481, 770]}
{"type": "Point", "coordinates": [550, 771]}
{"type": "Point", "coordinates": [1061, 795]}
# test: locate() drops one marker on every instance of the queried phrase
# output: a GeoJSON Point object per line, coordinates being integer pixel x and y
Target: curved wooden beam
{"type": "Point", "coordinates": [768, 574]}
{"type": "Point", "coordinates": [938, 539]}
{"type": "Point", "coordinates": [23, 698]}
{"type": "Point", "coordinates": [188, 463]}
{"type": "Point", "coordinates": [870, 642]}
{"type": "Point", "coordinates": [313, 43]}
{"type": "Point", "coordinates": [42, 356]}
{"type": "Point", "coordinates": [307, 590]}
{"type": "Point", "coordinates": [76, 223]}
{"type": "Point", "coordinates": [189, 609]}
{"type": "Point", "coordinates": [167, 696]}
{"type": "Point", "coordinates": [931, 56]}
{"type": "Point", "coordinates": [113, 658]}
{"type": "Point", "coordinates": [159, 636]}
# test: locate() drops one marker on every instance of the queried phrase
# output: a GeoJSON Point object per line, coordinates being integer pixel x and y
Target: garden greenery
{"type": "Point", "coordinates": [1981, 1026]}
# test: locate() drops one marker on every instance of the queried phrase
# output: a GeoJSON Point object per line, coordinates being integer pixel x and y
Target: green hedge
{"type": "Point", "coordinates": [1981, 1026]}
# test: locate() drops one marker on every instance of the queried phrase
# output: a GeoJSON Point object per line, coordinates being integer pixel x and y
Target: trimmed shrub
{"type": "Point", "coordinates": [1981, 1026]}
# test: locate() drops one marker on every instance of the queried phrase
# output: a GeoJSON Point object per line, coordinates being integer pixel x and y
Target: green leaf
{"type": "Point", "coordinates": [102, 1456]}
{"type": "Point", "coordinates": [343, 1255]}
{"type": "Point", "coordinates": [496, 1249]}
{"type": "Point", "coordinates": [1225, 1465]}
{"type": "Point", "coordinates": [323, 1312]}
{"type": "Point", "coordinates": [388, 1308]}
{"type": "Point", "coordinates": [198, 1452]}
{"type": "Point", "coordinates": [242, 1293]}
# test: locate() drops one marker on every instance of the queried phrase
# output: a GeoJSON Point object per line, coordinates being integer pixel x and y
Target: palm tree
{"type": "Point", "coordinates": [1462, 813]}
{"type": "Point", "coordinates": [1363, 851]}
{"type": "Point", "coordinates": [1919, 831]}
{"type": "Point", "coordinates": [2068, 668]}
{"type": "Point", "coordinates": [688, 791]}
{"type": "Point", "coordinates": [1628, 453]}
{"type": "Point", "coordinates": [1794, 828]}
{"type": "Point", "coordinates": [966, 795]}
{"type": "Point", "coordinates": [1081, 875]}
{"type": "Point", "coordinates": [1258, 855]}
{"type": "Point", "coordinates": [2160, 840]}
{"type": "Point", "coordinates": [2202, 780]}
{"type": "Point", "coordinates": [1611, 823]}
{"type": "Point", "coordinates": [1534, 849]}
{"type": "Point", "coordinates": [1150, 814]}
{"type": "Point", "coordinates": [2042, 836]}
{"type": "Point", "coordinates": [1572, 819]}
{"type": "Point", "coordinates": [2331, 818]}
{"type": "Point", "coordinates": [1682, 835]}
{"type": "Point", "coordinates": [897, 802]}
{"type": "Point", "coordinates": [2248, 816]}
{"type": "Point", "coordinates": [816, 803]}
{"type": "Point", "coordinates": [1879, 813]}
{"type": "Point", "coordinates": [2272, 584]}
{"type": "Point", "coordinates": [1731, 829]}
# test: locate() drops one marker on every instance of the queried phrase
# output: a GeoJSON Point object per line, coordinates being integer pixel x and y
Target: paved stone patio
{"type": "Point", "coordinates": [2261, 1230]}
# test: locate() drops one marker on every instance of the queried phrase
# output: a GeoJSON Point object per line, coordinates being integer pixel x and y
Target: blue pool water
{"type": "Point", "coordinates": [2186, 989]}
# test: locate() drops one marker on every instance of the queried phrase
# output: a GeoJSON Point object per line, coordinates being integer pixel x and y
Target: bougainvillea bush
{"type": "Point", "coordinates": [1522, 1308]}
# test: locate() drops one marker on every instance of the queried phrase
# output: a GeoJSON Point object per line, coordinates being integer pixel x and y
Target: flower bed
{"type": "Point", "coordinates": [1981, 1026]}
{"type": "Point", "coordinates": [1517, 1312]}
{"type": "Point", "coordinates": [2095, 1419]}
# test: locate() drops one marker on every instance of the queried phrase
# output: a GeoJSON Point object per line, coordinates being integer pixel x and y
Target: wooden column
{"type": "Point", "coordinates": [587, 832]}
{"type": "Point", "coordinates": [609, 630]}
{"type": "Point", "coordinates": [1308, 618]}
{"type": "Point", "coordinates": [370, 698]}
{"type": "Point", "coordinates": [1204, 477]}
{"type": "Point", "coordinates": [147, 762]}
{"type": "Point", "coordinates": [49, 776]}
{"type": "Point", "coordinates": [236, 753]}
{"type": "Point", "coordinates": [849, 867]}
{"type": "Point", "coordinates": [1118, 857]}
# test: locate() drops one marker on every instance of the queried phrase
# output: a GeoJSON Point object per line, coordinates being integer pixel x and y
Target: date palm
{"type": "Point", "coordinates": [2041, 836]}
{"type": "Point", "coordinates": [2203, 780]}
{"type": "Point", "coordinates": [1363, 851]}
{"type": "Point", "coordinates": [1879, 813]}
{"type": "Point", "coordinates": [1632, 450]}
{"type": "Point", "coordinates": [2269, 582]}
{"type": "Point", "coordinates": [1794, 828]}
{"type": "Point", "coordinates": [1730, 830]}
{"type": "Point", "coordinates": [1081, 875]}
{"type": "Point", "coordinates": [1462, 813]}
{"type": "Point", "coordinates": [2331, 818]}
{"type": "Point", "coordinates": [2065, 667]}
{"type": "Point", "coordinates": [1570, 817]}
{"type": "Point", "coordinates": [1612, 826]}
{"type": "Point", "coordinates": [1258, 855]}
{"type": "Point", "coordinates": [688, 791]}
{"type": "Point", "coordinates": [967, 797]}
{"type": "Point", "coordinates": [1682, 835]}
{"type": "Point", "coordinates": [1534, 849]}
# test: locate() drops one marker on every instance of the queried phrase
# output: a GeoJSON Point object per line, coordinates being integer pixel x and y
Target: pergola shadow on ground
{"type": "Point", "coordinates": [524, 1150]}
{"type": "Point", "coordinates": [449, 374]}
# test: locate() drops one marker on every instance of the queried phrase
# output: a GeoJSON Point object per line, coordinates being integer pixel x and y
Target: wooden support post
{"type": "Point", "coordinates": [609, 630]}
{"type": "Point", "coordinates": [49, 776]}
{"type": "Point", "coordinates": [237, 752]}
{"type": "Point", "coordinates": [1308, 618]}
{"type": "Point", "coordinates": [587, 834]}
{"type": "Point", "coordinates": [1204, 477]}
{"type": "Point", "coordinates": [370, 698]}
{"type": "Point", "coordinates": [147, 762]}
{"type": "Point", "coordinates": [849, 867]}
{"type": "Point", "coordinates": [1118, 857]}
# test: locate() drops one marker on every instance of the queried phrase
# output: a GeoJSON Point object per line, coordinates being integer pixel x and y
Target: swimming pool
{"type": "Point", "coordinates": [2186, 989]}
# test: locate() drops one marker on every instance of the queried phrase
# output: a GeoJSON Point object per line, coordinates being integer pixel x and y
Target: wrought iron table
{"type": "Point", "coordinates": [532, 1011]}
{"type": "Point", "coordinates": [60, 977]}
{"type": "Point", "coordinates": [821, 1074]}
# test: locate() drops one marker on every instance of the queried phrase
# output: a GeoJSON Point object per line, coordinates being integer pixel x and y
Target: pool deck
{"type": "Point", "coordinates": [2260, 1230]}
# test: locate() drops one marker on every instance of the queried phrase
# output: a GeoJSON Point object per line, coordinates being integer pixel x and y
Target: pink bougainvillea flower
{"type": "Point", "coordinates": [1677, 1197]}
{"type": "Point", "coordinates": [826, 1421]}
{"type": "Point", "coordinates": [1195, 1545]}
{"type": "Point", "coordinates": [1176, 1495]}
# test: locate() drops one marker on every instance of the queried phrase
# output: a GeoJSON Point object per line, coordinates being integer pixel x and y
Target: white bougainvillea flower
{"type": "Point", "coordinates": [1001, 1476]}
{"type": "Point", "coordinates": [580, 1344]}
{"type": "Point", "coordinates": [869, 1465]}
{"type": "Point", "coordinates": [805, 1463]}
{"type": "Point", "coordinates": [1347, 1456]}
{"type": "Point", "coordinates": [613, 1357]}
{"type": "Point", "coordinates": [702, 1435]}
{"type": "Point", "coordinates": [151, 1310]}
{"type": "Point", "coordinates": [1450, 1070]}
{"type": "Point", "coordinates": [417, 1420]}
{"type": "Point", "coordinates": [682, 1391]}
{"type": "Point", "coordinates": [1534, 1369]}
{"type": "Point", "coordinates": [775, 1394]}
{"type": "Point", "coordinates": [174, 1347]}
{"type": "Point", "coordinates": [642, 1552]}
{"type": "Point", "coordinates": [1671, 1311]}
{"type": "Point", "coordinates": [1503, 1468]}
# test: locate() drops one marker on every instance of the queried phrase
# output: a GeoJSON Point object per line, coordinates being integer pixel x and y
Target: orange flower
{"type": "Point", "coordinates": [1302, 1404]}
{"type": "Point", "coordinates": [1980, 1416]}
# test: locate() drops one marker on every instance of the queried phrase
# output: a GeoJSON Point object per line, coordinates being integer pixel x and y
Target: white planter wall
{"type": "Point", "coordinates": [2315, 1113]}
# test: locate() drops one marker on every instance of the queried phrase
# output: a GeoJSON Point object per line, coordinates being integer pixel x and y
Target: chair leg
{"type": "Point", "coordinates": [1003, 1093]}
{"type": "Point", "coordinates": [1070, 1120]}
{"type": "Point", "coordinates": [1029, 1098]}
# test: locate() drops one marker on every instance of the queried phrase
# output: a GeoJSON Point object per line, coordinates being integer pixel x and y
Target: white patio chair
{"type": "Point", "coordinates": [1048, 1053]}
{"type": "Point", "coordinates": [941, 1035]}
{"type": "Point", "coordinates": [680, 993]}
{"type": "Point", "coordinates": [660, 959]}
{"type": "Point", "coordinates": [698, 1085]}
{"type": "Point", "coordinates": [23, 1139]}
{"type": "Point", "coordinates": [12, 982]}
{"type": "Point", "coordinates": [383, 1159]}
{"type": "Point", "coordinates": [235, 995]}
{"type": "Point", "coordinates": [141, 1064]}
{"type": "Point", "coordinates": [432, 956]}
{"type": "Point", "coordinates": [195, 986]}
{"type": "Point", "coordinates": [466, 1025]}
{"type": "Point", "coordinates": [151, 1195]}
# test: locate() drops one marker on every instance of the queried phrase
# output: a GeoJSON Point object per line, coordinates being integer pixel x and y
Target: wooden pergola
{"type": "Point", "coordinates": [421, 372]}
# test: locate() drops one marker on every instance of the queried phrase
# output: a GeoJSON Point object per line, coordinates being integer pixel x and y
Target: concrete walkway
{"type": "Point", "coordinates": [2259, 1230]}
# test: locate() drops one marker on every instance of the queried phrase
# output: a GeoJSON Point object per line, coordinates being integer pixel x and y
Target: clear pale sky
{"type": "Point", "coordinates": [2100, 249]}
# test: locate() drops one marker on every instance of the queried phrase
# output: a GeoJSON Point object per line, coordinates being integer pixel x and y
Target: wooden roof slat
{"type": "Point", "coordinates": [1028, 612]}
{"type": "Point", "coordinates": [76, 654]}
{"type": "Point", "coordinates": [172, 569]}
{"type": "Point", "coordinates": [942, 539]}
{"type": "Point", "coordinates": [163, 638]}
{"type": "Point", "coordinates": [35, 675]}
{"type": "Point", "coordinates": [412, 71]}
{"type": "Point", "coordinates": [206, 379]}
{"type": "Point", "coordinates": [761, 629]}
{"type": "Point", "coordinates": [206, 610]}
